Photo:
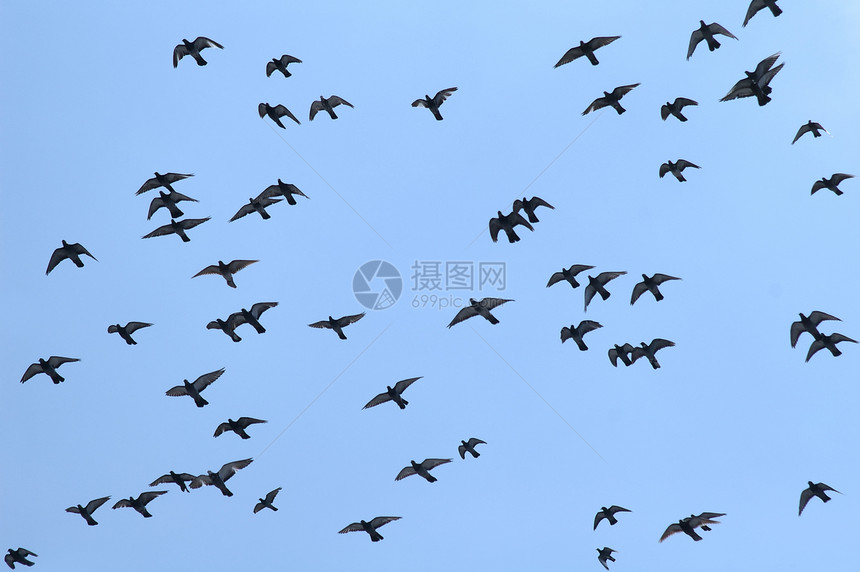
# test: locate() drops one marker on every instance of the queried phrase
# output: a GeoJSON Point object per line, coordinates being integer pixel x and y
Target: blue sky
{"type": "Point", "coordinates": [733, 422]}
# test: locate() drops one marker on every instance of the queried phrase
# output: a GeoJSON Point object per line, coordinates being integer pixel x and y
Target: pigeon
{"type": "Point", "coordinates": [757, 5]}
{"type": "Point", "coordinates": [688, 525]}
{"type": "Point", "coordinates": [422, 469]}
{"type": "Point", "coordinates": [470, 447]}
{"type": "Point", "coordinates": [648, 351]}
{"type": "Point", "coordinates": [809, 127]}
{"type": "Point", "coordinates": [177, 228]}
{"type": "Point", "coordinates": [433, 103]}
{"type": "Point", "coordinates": [337, 325]}
{"type": "Point", "coordinates": [286, 190]}
{"type": "Point", "coordinates": [48, 367]}
{"type": "Point", "coordinates": [280, 64]}
{"type": "Point", "coordinates": [370, 527]}
{"type": "Point", "coordinates": [674, 108]}
{"type": "Point", "coordinates": [676, 168]}
{"type": "Point", "coordinates": [126, 330]}
{"type": "Point", "coordinates": [168, 201]}
{"type": "Point", "coordinates": [507, 223]}
{"type": "Point", "coordinates": [621, 352]}
{"type": "Point", "coordinates": [576, 332]}
{"type": "Point", "coordinates": [394, 394]}
{"type": "Point", "coordinates": [222, 476]}
{"type": "Point", "coordinates": [703, 517]}
{"type": "Point", "coordinates": [650, 285]}
{"type": "Point", "coordinates": [275, 113]}
{"type": "Point", "coordinates": [259, 205]}
{"type": "Point", "coordinates": [18, 556]}
{"type": "Point", "coordinates": [251, 316]}
{"type": "Point", "coordinates": [597, 285]}
{"type": "Point", "coordinates": [809, 324]}
{"type": "Point", "coordinates": [160, 180]}
{"type": "Point", "coordinates": [194, 389]}
{"type": "Point", "coordinates": [327, 104]}
{"type": "Point", "coordinates": [70, 251]}
{"type": "Point", "coordinates": [608, 514]}
{"type": "Point", "coordinates": [586, 49]}
{"type": "Point", "coordinates": [87, 511]}
{"type": "Point", "coordinates": [226, 270]}
{"type": "Point", "coordinates": [529, 205]}
{"type": "Point", "coordinates": [227, 326]}
{"type": "Point", "coordinates": [706, 32]}
{"type": "Point", "coordinates": [267, 502]}
{"type": "Point", "coordinates": [568, 274]}
{"type": "Point", "coordinates": [192, 49]}
{"type": "Point", "coordinates": [605, 554]}
{"type": "Point", "coordinates": [756, 83]}
{"type": "Point", "coordinates": [828, 342]}
{"type": "Point", "coordinates": [178, 479]}
{"type": "Point", "coordinates": [824, 183]}
{"type": "Point", "coordinates": [139, 503]}
{"type": "Point", "coordinates": [479, 308]}
{"type": "Point", "coordinates": [814, 489]}
{"type": "Point", "coordinates": [611, 99]}
{"type": "Point", "coordinates": [238, 426]}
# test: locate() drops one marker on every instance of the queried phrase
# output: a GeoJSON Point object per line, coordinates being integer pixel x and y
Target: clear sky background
{"type": "Point", "coordinates": [733, 422]}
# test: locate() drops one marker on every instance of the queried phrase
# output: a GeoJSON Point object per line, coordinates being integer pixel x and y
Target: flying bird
{"type": "Point", "coordinates": [608, 514]}
{"type": "Point", "coordinates": [126, 330]}
{"type": "Point", "coordinates": [328, 105]}
{"type": "Point", "coordinates": [422, 469]}
{"type": "Point", "coordinates": [227, 326]}
{"type": "Point", "coordinates": [622, 353]}
{"type": "Point", "coordinates": [507, 223]}
{"type": "Point", "coordinates": [650, 285]}
{"type": "Point", "coordinates": [586, 49]}
{"type": "Point", "coordinates": [674, 108]}
{"type": "Point", "coordinates": [597, 285]}
{"type": "Point", "coordinates": [337, 325]}
{"type": "Point", "coordinates": [824, 183]}
{"type": "Point", "coordinates": [168, 201]}
{"type": "Point", "coordinates": [267, 502]}
{"type": "Point", "coordinates": [433, 103]}
{"type": "Point", "coordinates": [70, 251]}
{"type": "Point", "coordinates": [814, 489]}
{"type": "Point", "coordinates": [87, 511]}
{"type": "Point", "coordinates": [689, 525]}
{"type": "Point", "coordinates": [706, 32]}
{"type": "Point", "coordinates": [529, 205]}
{"type": "Point", "coordinates": [238, 426]}
{"type": "Point", "coordinates": [828, 342]}
{"type": "Point", "coordinates": [576, 332]}
{"type": "Point", "coordinates": [809, 127]}
{"type": "Point", "coordinates": [48, 367]}
{"type": "Point", "coordinates": [179, 479]}
{"type": "Point", "coordinates": [676, 168]}
{"type": "Point", "coordinates": [479, 308]}
{"type": "Point", "coordinates": [275, 113]}
{"type": "Point", "coordinates": [258, 204]}
{"type": "Point", "coordinates": [194, 389]}
{"type": "Point", "coordinates": [757, 5]}
{"type": "Point", "coordinates": [251, 316]}
{"type": "Point", "coordinates": [605, 554]}
{"type": "Point", "coordinates": [219, 479]}
{"type": "Point", "coordinates": [648, 351]}
{"type": "Point", "coordinates": [177, 228]}
{"type": "Point", "coordinates": [139, 503]}
{"type": "Point", "coordinates": [286, 190]}
{"type": "Point", "coordinates": [160, 180]}
{"type": "Point", "coordinates": [611, 99]}
{"type": "Point", "coordinates": [809, 324]}
{"type": "Point", "coordinates": [757, 82]}
{"type": "Point", "coordinates": [226, 270]}
{"type": "Point", "coordinates": [394, 394]}
{"type": "Point", "coordinates": [19, 556]}
{"type": "Point", "coordinates": [370, 527]}
{"type": "Point", "coordinates": [280, 64]}
{"type": "Point", "coordinates": [193, 49]}
{"type": "Point", "coordinates": [469, 446]}
{"type": "Point", "coordinates": [568, 274]}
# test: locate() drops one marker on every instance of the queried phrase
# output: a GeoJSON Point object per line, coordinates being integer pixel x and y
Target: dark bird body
{"type": "Point", "coordinates": [605, 554]}
{"type": "Point", "coordinates": [70, 251]}
{"type": "Point", "coordinates": [433, 103]}
{"type": "Point", "coordinates": [611, 99]}
{"type": "Point", "coordinates": [328, 105]}
{"type": "Point", "coordinates": [48, 367]}
{"type": "Point", "coordinates": [648, 351]}
{"type": "Point", "coordinates": [370, 527]}
{"type": "Point", "coordinates": [689, 525]}
{"type": "Point", "coordinates": [650, 285]}
{"type": "Point", "coordinates": [479, 308]}
{"type": "Point", "coordinates": [87, 511]}
{"type": "Point", "coordinates": [238, 426]}
{"type": "Point", "coordinates": [814, 489]}
{"type": "Point", "coordinates": [706, 32]}
{"type": "Point", "coordinates": [193, 49]}
{"type": "Point", "coordinates": [194, 389]}
{"type": "Point", "coordinates": [394, 394]}
{"type": "Point", "coordinates": [139, 503]}
{"type": "Point", "coordinates": [576, 332]}
{"type": "Point", "coordinates": [586, 49]}
{"type": "Point", "coordinates": [179, 479]}
{"type": "Point", "coordinates": [828, 342]}
{"type": "Point", "coordinates": [337, 325]}
{"type": "Point", "coordinates": [529, 205]}
{"type": "Point", "coordinates": [421, 469]}
{"type": "Point", "coordinates": [809, 324]}
{"type": "Point", "coordinates": [286, 190]}
{"type": "Point", "coordinates": [608, 514]}
{"type": "Point", "coordinates": [507, 223]}
{"type": "Point", "coordinates": [831, 183]}
{"type": "Point", "coordinates": [251, 316]}
{"type": "Point", "coordinates": [568, 274]}
{"type": "Point", "coordinates": [757, 5]}
{"type": "Point", "coordinates": [275, 113]}
{"type": "Point", "coordinates": [676, 168]}
{"type": "Point", "coordinates": [469, 446]}
{"type": "Point", "coordinates": [160, 180]}
{"type": "Point", "coordinates": [622, 353]}
{"type": "Point", "coordinates": [597, 285]}
{"type": "Point", "coordinates": [280, 64]}
{"type": "Point", "coordinates": [178, 228]}
{"type": "Point", "coordinates": [227, 326]}
{"type": "Point", "coordinates": [756, 83]}
{"type": "Point", "coordinates": [18, 556]}
{"type": "Point", "coordinates": [127, 330]}
{"type": "Point", "coordinates": [674, 108]}
{"type": "Point", "coordinates": [267, 502]}
{"type": "Point", "coordinates": [219, 479]}
{"type": "Point", "coordinates": [226, 270]}
{"type": "Point", "coordinates": [809, 127]}
{"type": "Point", "coordinates": [258, 205]}
{"type": "Point", "coordinates": [168, 201]}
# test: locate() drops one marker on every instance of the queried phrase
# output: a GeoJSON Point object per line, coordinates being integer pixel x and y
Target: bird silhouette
{"type": "Point", "coordinates": [251, 316]}
{"type": "Point", "coordinates": [286, 190]}
{"type": "Point", "coordinates": [168, 201]}
{"type": "Point", "coordinates": [608, 514]}
{"type": "Point", "coordinates": [650, 285]}
{"type": "Point", "coordinates": [126, 330]}
{"type": "Point", "coordinates": [814, 489]}
{"type": "Point", "coordinates": [622, 353]}
{"type": "Point", "coordinates": [227, 326]}
{"type": "Point", "coordinates": [689, 525]}
{"type": "Point", "coordinates": [160, 180]}
{"type": "Point", "coordinates": [507, 223]}
{"type": "Point", "coordinates": [139, 503]}
{"type": "Point", "coordinates": [568, 274]}
{"type": "Point", "coordinates": [226, 270]}
{"type": "Point", "coordinates": [267, 502]}
{"type": "Point", "coordinates": [422, 469]}
{"type": "Point", "coordinates": [828, 342]}
{"type": "Point", "coordinates": [611, 99]}
{"type": "Point", "coordinates": [469, 446]}
{"type": "Point", "coordinates": [586, 49]}
{"type": "Point", "coordinates": [194, 389]}
{"type": "Point", "coordinates": [809, 324]}
{"type": "Point", "coordinates": [280, 64]}
{"type": "Point", "coordinates": [70, 251]}
{"type": "Point", "coordinates": [831, 183]}
{"type": "Point", "coordinates": [219, 479]}
{"type": "Point", "coordinates": [756, 83]}
{"type": "Point", "coordinates": [177, 227]}
{"type": "Point", "coordinates": [576, 332]}
{"type": "Point", "coordinates": [337, 325]}
{"type": "Point", "coordinates": [258, 205]}
{"type": "Point", "coordinates": [757, 5]}
{"type": "Point", "coordinates": [597, 285]}
{"type": "Point", "coordinates": [648, 351]}
{"type": "Point", "coordinates": [676, 168]}
{"type": "Point", "coordinates": [238, 426]}
{"type": "Point", "coordinates": [674, 108]}
{"type": "Point", "coordinates": [328, 105]}
{"type": "Point", "coordinates": [193, 49]}
{"type": "Point", "coordinates": [87, 511]}
{"type": "Point", "coordinates": [706, 32]}
{"type": "Point", "coordinates": [370, 527]}
{"type": "Point", "coordinates": [479, 308]}
{"type": "Point", "coordinates": [809, 127]}
{"type": "Point", "coordinates": [179, 479]}
{"type": "Point", "coordinates": [19, 556]}
{"type": "Point", "coordinates": [275, 113]}
{"type": "Point", "coordinates": [433, 103]}
{"type": "Point", "coordinates": [48, 367]}
{"type": "Point", "coordinates": [605, 554]}
{"type": "Point", "coordinates": [529, 205]}
{"type": "Point", "coordinates": [394, 394]}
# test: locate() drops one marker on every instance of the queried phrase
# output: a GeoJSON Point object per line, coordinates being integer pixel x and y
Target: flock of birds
{"type": "Point", "coordinates": [755, 84]}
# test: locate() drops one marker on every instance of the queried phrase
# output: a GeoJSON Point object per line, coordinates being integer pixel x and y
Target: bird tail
{"type": "Point", "coordinates": [762, 98]}
{"type": "Point", "coordinates": [199, 401]}
{"type": "Point", "coordinates": [679, 176]}
{"type": "Point", "coordinates": [836, 353]}
{"type": "Point", "coordinates": [654, 363]}
{"type": "Point", "coordinates": [775, 10]}
{"type": "Point", "coordinates": [436, 114]}
{"type": "Point", "coordinates": [333, 114]}
{"type": "Point", "coordinates": [57, 378]}
{"type": "Point", "coordinates": [431, 479]}
{"type": "Point", "coordinates": [376, 537]}
{"type": "Point", "coordinates": [713, 44]}
{"type": "Point", "coordinates": [230, 283]}
{"type": "Point", "coordinates": [681, 116]}
{"type": "Point", "coordinates": [341, 335]}
{"type": "Point", "coordinates": [591, 58]}
{"type": "Point", "coordinates": [612, 520]}
{"type": "Point", "coordinates": [403, 403]}
{"type": "Point", "coordinates": [604, 293]}
{"type": "Point", "coordinates": [475, 454]}
{"type": "Point", "coordinates": [492, 318]}
{"type": "Point", "coordinates": [235, 337]}
{"type": "Point", "coordinates": [618, 108]}
{"type": "Point", "coordinates": [581, 345]}
{"type": "Point", "coordinates": [658, 295]}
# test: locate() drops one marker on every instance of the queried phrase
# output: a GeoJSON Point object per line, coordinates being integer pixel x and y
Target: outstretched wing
{"type": "Point", "coordinates": [490, 303]}
{"type": "Point", "coordinates": [401, 386]}
{"type": "Point", "coordinates": [442, 95]}
{"type": "Point", "coordinates": [57, 361]}
{"type": "Point", "coordinates": [335, 100]}
{"type": "Point", "coordinates": [464, 314]}
{"type": "Point", "coordinates": [281, 110]}
{"type": "Point", "coordinates": [229, 469]}
{"type": "Point", "coordinates": [381, 398]}
{"type": "Point", "coordinates": [433, 463]}
{"type": "Point", "coordinates": [316, 107]}
{"type": "Point", "coordinates": [622, 90]}
{"type": "Point", "coordinates": [347, 320]}
{"type": "Point", "coordinates": [570, 55]}
{"type": "Point", "coordinates": [95, 503]}
{"type": "Point", "coordinates": [804, 499]}
{"type": "Point", "coordinates": [683, 164]}
{"type": "Point", "coordinates": [132, 327]}
{"type": "Point", "coordinates": [695, 38]}
{"type": "Point", "coordinates": [382, 520]}
{"type": "Point", "coordinates": [797, 328]}
{"type": "Point", "coordinates": [260, 307]}
{"type": "Point", "coordinates": [658, 344]}
{"type": "Point", "coordinates": [270, 497]}
{"type": "Point", "coordinates": [638, 290]}
{"type": "Point", "coordinates": [203, 42]}
{"type": "Point", "coordinates": [598, 103]}
{"type": "Point", "coordinates": [246, 421]}
{"type": "Point", "coordinates": [237, 265]}
{"type": "Point", "coordinates": [673, 528]}
{"type": "Point", "coordinates": [405, 472]}
{"type": "Point", "coordinates": [586, 326]}
{"type": "Point", "coordinates": [207, 379]}
{"type": "Point", "coordinates": [717, 29]}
